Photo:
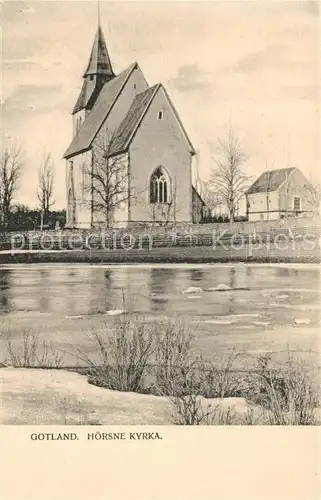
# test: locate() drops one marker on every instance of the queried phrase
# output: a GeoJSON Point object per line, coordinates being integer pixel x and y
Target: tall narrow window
{"type": "Point", "coordinates": [160, 115]}
{"type": "Point", "coordinates": [296, 203]}
{"type": "Point", "coordinates": [159, 187]}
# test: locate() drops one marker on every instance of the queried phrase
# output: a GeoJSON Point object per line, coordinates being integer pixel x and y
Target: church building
{"type": "Point", "coordinates": [130, 159]}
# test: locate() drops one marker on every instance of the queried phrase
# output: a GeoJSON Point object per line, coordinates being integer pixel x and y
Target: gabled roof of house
{"type": "Point", "coordinates": [270, 180]}
{"type": "Point", "coordinates": [127, 129]}
{"type": "Point", "coordinates": [95, 118]}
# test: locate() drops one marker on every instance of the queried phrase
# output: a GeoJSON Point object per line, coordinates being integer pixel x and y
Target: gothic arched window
{"type": "Point", "coordinates": [159, 187]}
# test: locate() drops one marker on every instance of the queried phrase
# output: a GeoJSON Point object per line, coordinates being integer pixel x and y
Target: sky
{"type": "Point", "coordinates": [254, 63]}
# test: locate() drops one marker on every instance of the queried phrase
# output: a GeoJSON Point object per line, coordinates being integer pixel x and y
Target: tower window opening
{"type": "Point", "coordinates": [78, 123]}
{"type": "Point", "coordinates": [91, 77]}
{"type": "Point", "coordinates": [160, 115]}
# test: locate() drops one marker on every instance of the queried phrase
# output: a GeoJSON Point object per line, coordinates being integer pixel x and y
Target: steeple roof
{"type": "Point", "coordinates": [102, 107]}
{"type": "Point", "coordinates": [99, 61]}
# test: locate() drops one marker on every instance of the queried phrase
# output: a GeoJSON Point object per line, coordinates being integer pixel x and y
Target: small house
{"type": "Point", "coordinates": [277, 194]}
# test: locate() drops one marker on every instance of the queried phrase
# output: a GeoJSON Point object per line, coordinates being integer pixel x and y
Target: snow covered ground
{"type": "Point", "coordinates": [57, 397]}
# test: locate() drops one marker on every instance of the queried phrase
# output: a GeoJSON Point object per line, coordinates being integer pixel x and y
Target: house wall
{"type": "Point", "coordinates": [197, 208]}
{"type": "Point", "coordinates": [81, 167]}
{"type": "Point", "coordinates": [296, 185]}
{"type": "Point", "coordinates": [160, 143]}
{"type": "Point", "coordinates": [257, 206]}
{"type": "Point", "coordinates": [281, 202]}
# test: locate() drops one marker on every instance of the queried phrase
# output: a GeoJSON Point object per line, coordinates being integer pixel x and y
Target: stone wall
{"type": "Point", "coordinates": [158, 236]}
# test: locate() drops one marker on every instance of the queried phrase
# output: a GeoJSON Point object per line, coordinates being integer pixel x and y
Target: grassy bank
{"type": "Point", "coordinates": [296, 252]}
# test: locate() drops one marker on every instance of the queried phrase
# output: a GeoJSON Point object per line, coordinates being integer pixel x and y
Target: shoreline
{"type": "Point", "coordinates": [170, 265]}
{"type": "Point", "coordinates": [176, 255]}
{"type": "Point", "coordinates": [104, 406]}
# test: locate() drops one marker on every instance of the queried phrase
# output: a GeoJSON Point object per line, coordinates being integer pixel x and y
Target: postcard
{"type": "Point", "coordinates": [160, 194]}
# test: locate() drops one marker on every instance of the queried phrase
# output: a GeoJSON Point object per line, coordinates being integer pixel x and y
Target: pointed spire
{"type": "Point", "coordinates": [99, 71]}
{"type": "Point", "coordinates": [99, 61]}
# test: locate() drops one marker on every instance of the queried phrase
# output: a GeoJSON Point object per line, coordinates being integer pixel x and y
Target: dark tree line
{"type": "Point", "coordinates": [23, 218]}
{"type": "Point", "coordinates": [15, 216]}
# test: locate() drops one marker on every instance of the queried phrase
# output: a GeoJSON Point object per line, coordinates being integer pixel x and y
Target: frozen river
{"type": "Point", "coordinates": [52, 299]}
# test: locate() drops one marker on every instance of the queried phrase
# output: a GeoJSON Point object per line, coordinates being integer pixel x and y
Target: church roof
{"type": "Point", "coordinates": [128, 127]}
{"type": "Point", "coordinates": [99, 61]}
{"type": "Point", "coordinates": [270, 180]}
{"type": "Point", "coordinates": [97, 115]}
{"type": "Point", "coordinates": [81, 101]}
{"type": "Point", "coordinates": [99, 65]}
{"type": "Point", "coordinates": [130, 123]}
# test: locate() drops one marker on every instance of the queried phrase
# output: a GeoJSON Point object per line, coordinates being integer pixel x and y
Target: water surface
{"type": "Point", "coordinates": [261, 298]}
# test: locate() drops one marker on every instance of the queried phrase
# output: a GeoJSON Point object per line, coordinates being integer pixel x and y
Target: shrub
{"type": "Point", "coordinates": [32, 353]}
{"type": "Point", "coordinates": [284, 394]}
{"type": "Point", "coordinates": [195, 410]}
{"type": "Point", "coordinates": [220, 379]}
{"type": "Point", "coordinates": [289, 393]}
{"type": "Point", "coordinates": [124, 356]}
{"type": "Point", "coordinates": [173, 364]}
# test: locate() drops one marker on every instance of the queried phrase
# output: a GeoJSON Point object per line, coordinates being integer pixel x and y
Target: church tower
{"type": "Point", "coordinates": [99, 71]}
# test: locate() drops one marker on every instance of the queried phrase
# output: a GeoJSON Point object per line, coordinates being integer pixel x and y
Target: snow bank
{"type": "Point", "coordinates": [48, 397]}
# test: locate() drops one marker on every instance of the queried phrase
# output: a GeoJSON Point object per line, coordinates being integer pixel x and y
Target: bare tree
{"type": "Point", "coordinates": [107, 181]}
{"type": "Point", "coordinates": [269, 174]}
{"type": "Point", "coordinates": [210, 198]}
{"type": "Point", "coordinates": [228, 179]}
{"type": "Point", "coordinates": [313, 195]}
{"type": "Point", "coordinates": [10, 173]}
{"type": "Point", "coordinates": [45, 192]}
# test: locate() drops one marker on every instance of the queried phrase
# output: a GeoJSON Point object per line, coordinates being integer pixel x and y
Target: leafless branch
{"type": "Point", "coordinates": [228, 180]}
{"type": "Point", "coordinates": [46, 176]}
{"type": "Point", "coordinates": [10, 173]}
{"type": "Point", "coordinates": [313, 195]}
{"type": "Point", "coordinates": [107, 180]}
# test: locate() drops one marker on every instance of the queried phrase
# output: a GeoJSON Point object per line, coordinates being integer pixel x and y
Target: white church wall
{"type": "Point", "coordinates": [81, 164]}
{"type": "Point", "coordinates": [160, 142]}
